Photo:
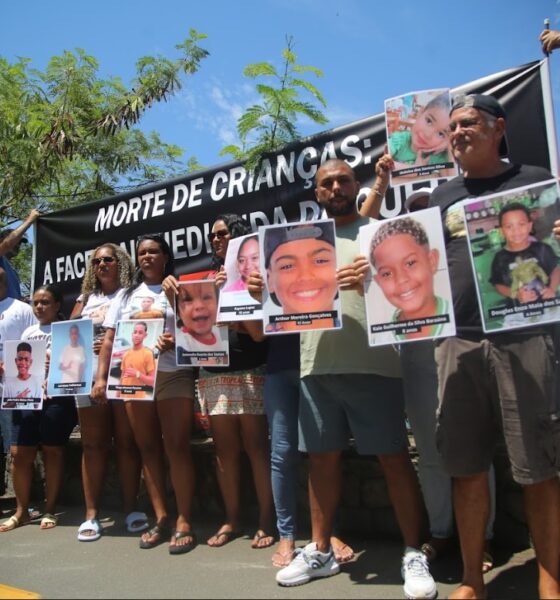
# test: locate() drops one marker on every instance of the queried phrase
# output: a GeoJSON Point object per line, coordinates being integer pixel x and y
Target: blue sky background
{"type": "Point", "coordinates": [369, 50]}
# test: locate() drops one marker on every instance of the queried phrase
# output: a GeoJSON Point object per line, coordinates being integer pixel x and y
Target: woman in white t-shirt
{"type": "Point", "coordinates": [170, 415]}
{"type": "Point", "coordinates": [109, 269]}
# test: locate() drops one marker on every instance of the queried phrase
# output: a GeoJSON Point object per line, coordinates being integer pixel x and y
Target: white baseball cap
{"type": "Point", "coordinates": [424, 191]}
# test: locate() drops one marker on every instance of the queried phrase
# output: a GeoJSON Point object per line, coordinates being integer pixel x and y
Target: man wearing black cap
{"type": "Point", "coordinates": [349, 389]}
{"type": "Point", "coordinates": [10, 240]}
{"type": "Point", "coordinates": [488, 383]}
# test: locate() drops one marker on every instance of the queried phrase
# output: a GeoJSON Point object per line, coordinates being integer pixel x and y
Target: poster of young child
{"type": "Point", "coordinates": [301, 290]}
{"type": "Point", "coordinates": [407, 292]}
{"type": "Point", "coordinates": [242, 258]}
{"type": "Point", "coordinates": [417, 135]}
{"type": "Point", "coordinates": [515, 256]}
{"type": "Point", "coordinates": [71, 365]}
{"type": "Point", "coordinates": [134, 359]}
{"type": "Point", "coordinates": [24, 374]}
{"type": "Point", "coordinates": [198, 340]}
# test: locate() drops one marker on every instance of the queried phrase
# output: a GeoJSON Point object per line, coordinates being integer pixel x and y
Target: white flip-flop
{"type": "Point", "coordinates": [135, 517]}
{"type": "Point", "coordinates": [90, 525]}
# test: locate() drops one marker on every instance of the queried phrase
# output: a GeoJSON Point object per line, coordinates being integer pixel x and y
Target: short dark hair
{"type": "Point", "coordinates": [23, 347]}
{"type": "Point", "coordinates": [512, 206]}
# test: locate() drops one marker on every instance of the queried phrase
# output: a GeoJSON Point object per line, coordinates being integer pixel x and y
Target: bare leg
{"type": "Point", "coordinates": [325, 482]}
{"type": "Point", "coordinates": [129, 462]}
{"type": "Point", "coordinates": [226, 434]}
{"type": "Point", "coordinates": [254, 431]}
{"type": "Point", "coordinates": [147, 433]}
{"type": "Point", "coordinates": [404, 492]}
{"type": "Point", "coordinates": [542, 505]}
{"type": "Point", "coordinates": [471, 499]}
{"type": "Point", "coordinates": [96, 431]}
{"type": "Point", "coordinates": [23, 458]}
{"type": "Point", "coordinates": [54, 472]}
{"type": "Point", "coordinates": [175, 416]}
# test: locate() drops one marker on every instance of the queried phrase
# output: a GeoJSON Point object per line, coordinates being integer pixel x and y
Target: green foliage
{"type": "Point", "coordinates": [67, 136]}
{"type": "Point", "coordinates": [271, 124]}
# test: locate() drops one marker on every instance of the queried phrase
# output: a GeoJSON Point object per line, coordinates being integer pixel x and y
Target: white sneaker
{"type": "Point", "coordinates": [308, 564]}
{"type": "Point", "coordinates": [418, 583]}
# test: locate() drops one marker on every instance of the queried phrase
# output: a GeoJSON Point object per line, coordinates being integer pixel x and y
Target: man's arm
{"type": "Point", "coordinates": [550, 40]}
{"type": "Point", "coordinates": [14, 237]}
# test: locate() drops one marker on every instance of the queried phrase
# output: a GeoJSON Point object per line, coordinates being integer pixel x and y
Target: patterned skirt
{"type": "Point", "coordinates": [232, 393]}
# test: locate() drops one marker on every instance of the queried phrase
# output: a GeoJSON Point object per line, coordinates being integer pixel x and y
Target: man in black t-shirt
{"type": "Point", "coordinates": [499, 381]}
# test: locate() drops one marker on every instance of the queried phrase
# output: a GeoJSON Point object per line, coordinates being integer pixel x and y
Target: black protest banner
{"type": "Point", "coordinates": [184, 209]}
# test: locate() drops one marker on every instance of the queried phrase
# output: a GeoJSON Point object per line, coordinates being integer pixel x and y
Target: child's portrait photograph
{"type": "Point", "coordinates": [301, 290]}
{"type": "Point", "coordinates": [134, 359]}
{"type": "Point", "coordinates": [418, 136]}
{"type": "Point", "coordinates": [199, 341]}
{"type": "Point", "coordinates": [407, 291]}
{"type": "Point", "coordinates": [24, 374]}
{"type": "Point", "coordinates": [242, 258]}
{"type": "Point", "coordinates": [515, 256]}
{"type": "Point", "coordinates": [71, 363]}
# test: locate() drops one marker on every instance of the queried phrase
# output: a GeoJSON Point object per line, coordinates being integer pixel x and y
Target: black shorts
{"type": "Point", "coordinates": [50, 426]}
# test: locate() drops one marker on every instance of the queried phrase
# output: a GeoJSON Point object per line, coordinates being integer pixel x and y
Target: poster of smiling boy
{"type": "Point", "coordinates": [417, 136]}
{"type": "Point", "coordinates": [242, 258]}
{"type": "Point", "coordinates": [407, 292]}
{"type": "Point", "coordinates": [198, 340]}
{"type": "Point", "coordinates": [515, 257]}
{"type": "Point", "coordinates": [71, 363]}
{"type": "Point", "coordinates": [301, 290]}
{"type": "Point", "coordinates": [134, 359]}
{"type": "Point", "coordinates": [24, 374]}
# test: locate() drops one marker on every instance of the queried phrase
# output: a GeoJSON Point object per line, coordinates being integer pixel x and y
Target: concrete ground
{"type": "Point", "coordinates": [54, 564]}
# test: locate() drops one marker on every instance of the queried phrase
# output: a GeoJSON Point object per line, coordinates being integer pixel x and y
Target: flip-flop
{"type": "Point", "coordinates": [282, 559]}
{"type": "Point", "coordinates": [48, 521]}
{"type": "Point", "coordinates": [136, 522]}
{"type": "Point", "coordinates": [10, 524]}
{"type": "Point", "coordinates": [227, 536]}
{"type": "Point", "coordinates": [90, 525]}
{"type": "Point", "coordinates": [160, 532]}
{"type": "Point", "coordinates": [182, 548]}
{"type": "Point", "coordinates": [258, 537]}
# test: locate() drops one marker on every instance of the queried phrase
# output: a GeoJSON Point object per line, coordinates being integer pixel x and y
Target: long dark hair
{"type": "Point", "coordinates": [237, 226]}
{"type": "Point", "coordinates": [138, 277]}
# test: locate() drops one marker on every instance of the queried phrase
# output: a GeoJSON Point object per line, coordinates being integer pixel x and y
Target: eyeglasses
{"type": "Point", "coordinates": [106, 259]}
{"type": "Point", "coordinates": [222, 233]}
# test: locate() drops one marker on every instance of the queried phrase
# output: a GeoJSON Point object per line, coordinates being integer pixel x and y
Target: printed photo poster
{"type": "Point", "coordinates": [242, 258]}
{"type": "Point", "coordinates": [407, 292]}
{"type": "Point", "coordinates": [71, 366]}
{"type": "Point", "coordinates": [301, 290]}
{"type": "Point", "coordinates": [198, 340]}
{"type": "Point", "coordinates": [24, 374]}
{"type": "Point", "coordinates": [134, 359]}
{"type": "Point", "coordinates": [515, 256]}
{"type": "Point", "coordinates": [417, 135]}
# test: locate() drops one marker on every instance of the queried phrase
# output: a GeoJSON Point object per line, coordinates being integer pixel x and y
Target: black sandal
{"type": "Point", "coordinates": [182, 548]}
{"type": "Point", "coordinates": [161, 531]}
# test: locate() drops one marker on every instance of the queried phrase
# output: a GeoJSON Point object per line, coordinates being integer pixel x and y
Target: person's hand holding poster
{"type": "Point", "coordinates": [71, 363]}
{"type": "Point", "coordinates": [134, 360]}
{"type": "Point", "coordinates": [198, 340]}
{"type": "Point", "coordinates": [515, 256]}
{"type": "Point", "coordinates": [301, 290]}
{"type": "Point", "coordinates": [408, 295]}
{"type": "Point", "coordinates": [24, 374]}
{"type": "Point", "coordinates": [242, 259]}
{"type": "Point", "coordinates": [418, 137]}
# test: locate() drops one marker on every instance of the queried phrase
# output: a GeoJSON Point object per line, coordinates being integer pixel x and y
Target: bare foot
{"type": "Point", "coordinates": [467, 592]}
{"type": "Point", "coordinates": [284, 553]}
{"type": "Point", "coordinates": [342, 552]}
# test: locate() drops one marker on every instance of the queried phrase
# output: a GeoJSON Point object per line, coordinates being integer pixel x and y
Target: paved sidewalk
{"type": "Point", "coordinates": [55, 565]}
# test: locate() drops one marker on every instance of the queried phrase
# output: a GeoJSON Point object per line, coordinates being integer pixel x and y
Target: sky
{"type": "Point", "coordinates": [369, 50]}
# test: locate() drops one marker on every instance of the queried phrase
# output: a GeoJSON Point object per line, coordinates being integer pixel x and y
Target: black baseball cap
{"type": "Point", "coordinates": [8, 230]}
{"type": "Point", "coordinates": [488, 104]}
{"type": "Point", "coordinates": [276, 236]}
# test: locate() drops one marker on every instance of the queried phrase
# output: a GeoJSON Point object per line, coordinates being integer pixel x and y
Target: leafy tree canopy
{"type": "Point", "coordinates": [271, 124]}
{"type": "Point", "coordinates": [67, 136]}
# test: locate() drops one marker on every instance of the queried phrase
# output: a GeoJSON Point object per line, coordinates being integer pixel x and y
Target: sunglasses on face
{"type": "Point", "coordinates": [222, 233]}
{"type": "Point", "coordinates": [105, 259]}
